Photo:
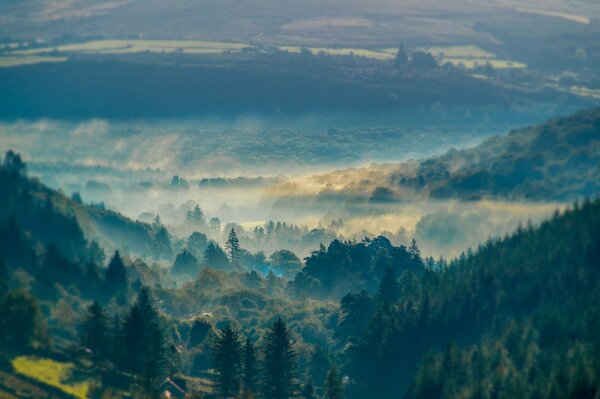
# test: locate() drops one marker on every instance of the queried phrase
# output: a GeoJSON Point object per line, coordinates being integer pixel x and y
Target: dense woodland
{"type": "Point", "coordinates": [514, 317]}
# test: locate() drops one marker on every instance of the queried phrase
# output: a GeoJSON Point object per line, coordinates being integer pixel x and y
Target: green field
{"type": "Point", "coordinates": [53, 373]}
{"type": "Point", "coordinates": [468, 55]}
{"type": "Point", "coordinates": [11, 61]}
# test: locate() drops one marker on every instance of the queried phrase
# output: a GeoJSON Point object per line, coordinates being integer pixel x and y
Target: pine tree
{"type": "Point", "coordinates": [388, 289]}
{"type": "Point", "coordinates": [144, 342]}
{"type": "Point", "coordinates": [233, 248]}
{"type": "Point", "coordinates": [116, 275]}
{"type": "Point", "coordinates": [227, 358]}
{"type": "Point", "coordinates": [279, 362]}
{"type": "Point", "coordinates": [333, 384]}
{"type": "Point", "coordinates": [250, 367]}
{"type": "Point", "coordinates": [95, 334]}
{"type": "Point", "coordinates": [415, 253]}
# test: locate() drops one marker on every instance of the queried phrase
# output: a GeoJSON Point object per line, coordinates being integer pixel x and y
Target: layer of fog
{"type": "Point", "coordinates": [129, 166]}
{"type": "Point", "coordinates": [244, 146]}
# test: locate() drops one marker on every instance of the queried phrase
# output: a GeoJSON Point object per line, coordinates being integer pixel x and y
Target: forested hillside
{"type": "Point", "coordinates": [555, 160]}
{"type": "Point", "coordinates": [54, 219]}
{"type": "Point", "coordinates": [515, 317]}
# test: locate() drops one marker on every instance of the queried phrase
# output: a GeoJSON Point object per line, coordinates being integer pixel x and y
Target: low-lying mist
{"type": "Point", "coordinates": [247, 172]}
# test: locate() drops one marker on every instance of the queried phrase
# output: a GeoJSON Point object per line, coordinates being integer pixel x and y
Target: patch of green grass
{"type": "Point", "coordinates": [12, 61]}
{"type": "Point", "coordinates": [52, 373]}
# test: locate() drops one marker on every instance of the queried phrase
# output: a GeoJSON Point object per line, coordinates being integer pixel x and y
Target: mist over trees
{"type": "Point", "coordinates": [354, 318]}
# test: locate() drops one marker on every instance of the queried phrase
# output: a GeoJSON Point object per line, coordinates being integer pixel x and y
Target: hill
{"type": "Point", "coordinates": [517, 318]}
{"type": "Point", "coordinates": [50, 218]}
{"type": "Point", "coordinates": [557, 160]}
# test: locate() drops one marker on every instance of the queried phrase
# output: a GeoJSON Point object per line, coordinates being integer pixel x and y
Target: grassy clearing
{"type": "Point", "coordinates": [459, 52]}
{"type": "Point", "coordinates": [52, 373]}
{"type": "Point", "coordinates": [470, 56]}
{"type": "Point", "coordinates": [137, 46]}
{"type": "Point", "coordinates": [12, 61]}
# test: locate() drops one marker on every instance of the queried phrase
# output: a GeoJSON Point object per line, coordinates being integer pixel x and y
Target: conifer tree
{"type": "Point", "coordinates": [233, 248]}
{"type": "Point", "coordinates": [333, 384]}
{"type": "Point", "coordinates": [227, 359]}
{"type": "Point", "coordinates": [144, 344]}
{"type": "Point", "coordinates": [95, 334]}
{"type": "Point", "coordinates": [415, 254]}
{"type": "Point", "coordinates": [388, 289]}
{"type": "Point", "coordinates": [250, 367]}
{"type": "Point", "coordinates": [116, 275]}
{"type": "Point", "coordinates": [279, 362]}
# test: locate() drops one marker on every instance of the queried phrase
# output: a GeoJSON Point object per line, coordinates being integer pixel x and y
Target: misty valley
{"type": "Point", "coordinates": [309, 200]}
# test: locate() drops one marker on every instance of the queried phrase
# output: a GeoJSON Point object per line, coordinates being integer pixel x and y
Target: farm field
{"type": "Point", "coordinates": [468, 55]}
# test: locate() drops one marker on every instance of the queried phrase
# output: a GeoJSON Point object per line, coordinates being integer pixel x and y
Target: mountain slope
{"type": "Point", "coordinates": [522, 314]}
{"type": "Point", "coordinates": [50, 218]}
{"type": "Point", "coordinates": [556, 160]}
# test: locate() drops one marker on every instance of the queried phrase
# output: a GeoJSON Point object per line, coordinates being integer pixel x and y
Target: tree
{"type": "Point", "coordinates": [249, 367]}
{"type": "Point", "coordinates": [95, 334]}
{"type": "Point", "coordinates": [215, 258]}
{"type": "Point", "coordinates": [333, 385]}
{"type": "Point", "coordinates": [415, 254]}
{"type": "Point", "coordinates": [199, 331]}
{"type": "Point", "coordinates": [13, 163]}
{"type": "Point", "coordinates": [162, 244]}
{"type": "Point", "coordinates": [233, 248]}
{"type": "Point", "coordinates": [197, 243]}
{"type": "Point", "coordinates": [144, 345]}
{"type": "Point", "coordinates": [423, 61]}
{"type": "Point", "coordinates": [116, 275]}
{"type": "Point", "coordinates": [185, 263]}
{"type": "Point", "coordinates": [279, 362]}
{"type": "Point", "coordinates": [227, 359]}
{"type": "Point", "coordinates": [389, 289]}
{"type": "Point", "coordinates": [21, 325]}
{"type": "Point", "coordinates": [91, 281]}
{"type": "Point", "coordinates": [196, 216]}
{"type": "Point", "coordinates": [401, 57]}
{"type": "Point", "coordinates": [214, 224]}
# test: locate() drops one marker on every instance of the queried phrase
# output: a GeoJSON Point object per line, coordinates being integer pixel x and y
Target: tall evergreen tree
{"type": "Point", "coordinates": [415, 254]}
{"type": "Point", "coordinates": [214, 257]}
{"type": "Point", "coordinates": [227, 359]}
{"type": "Point", "coordinates": [388, 289]}
{"type": "Point", "coordinates": [333, 385]}
{"type": "Point", "coordinates": [233, 248]}
{"type": "Point", "coordinates": [279, 362]}
{"type": "Point", "coordinates": [144, 342]}
{"type": "Point", "coordinates": [250, 367]}
{"type": "Point", "coordinates": [116, 275]}
{"type": "Point", "coordinates": [95, 334]}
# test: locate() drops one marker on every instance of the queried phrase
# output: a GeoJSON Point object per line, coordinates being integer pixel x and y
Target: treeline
{"type": "Point", "coordinates": [125, 87]}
